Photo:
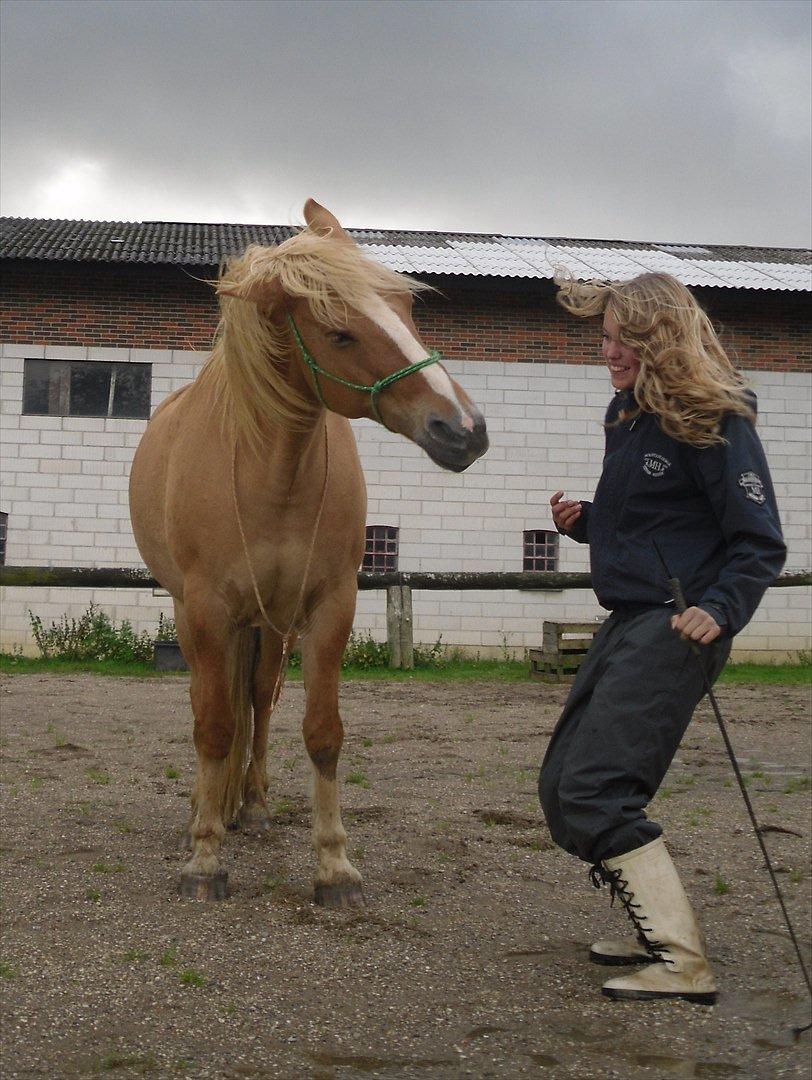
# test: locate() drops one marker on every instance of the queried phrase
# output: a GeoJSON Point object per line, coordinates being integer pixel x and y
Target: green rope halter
{"type": "Point", "coordinates": [374, 390]}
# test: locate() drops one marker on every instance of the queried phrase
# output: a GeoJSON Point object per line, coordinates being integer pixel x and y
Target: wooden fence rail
{"type": "Point", "coordinates": [398, 585]}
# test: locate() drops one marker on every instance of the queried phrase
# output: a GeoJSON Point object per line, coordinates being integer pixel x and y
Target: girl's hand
{"type": "Point", "coordinates": [696, 625]}
{"type": "Point", "coordinates": [565, 512]}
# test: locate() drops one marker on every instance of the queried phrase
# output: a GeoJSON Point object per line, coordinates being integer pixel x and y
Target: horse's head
{"type": "Point", "coordinates": [347, 324]}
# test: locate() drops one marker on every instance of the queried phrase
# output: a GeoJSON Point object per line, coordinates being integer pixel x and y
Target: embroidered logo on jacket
{"type": "Point", "coordinates": [655, 464]}
{"type": "Point", "coordinates": [753, 487]}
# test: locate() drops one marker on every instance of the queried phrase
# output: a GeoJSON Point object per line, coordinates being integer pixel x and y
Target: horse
{"type": "Point", "coordinates": [248, 504]}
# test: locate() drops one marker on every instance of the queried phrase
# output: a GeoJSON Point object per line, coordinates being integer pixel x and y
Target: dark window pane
{"type": "Point", "coordinates": [540, 550]}
{"type": "Point", "coordinates": [381, 549]}
{"type": "Point", "coordinates": [131, 397]}
{"type": "Point", "coordinates": [3, 534]}
{"type": "Point", "coordinates": [36, 385]}
{"type": "Point", "coordinates": [89, 389]}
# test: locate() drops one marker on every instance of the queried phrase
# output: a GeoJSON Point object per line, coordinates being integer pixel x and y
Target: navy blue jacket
{"type": "Point", "coordinates": [712, 512]}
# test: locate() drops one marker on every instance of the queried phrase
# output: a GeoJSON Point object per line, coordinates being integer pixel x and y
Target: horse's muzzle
{"type": "Point", "coordinates": [453, 446]}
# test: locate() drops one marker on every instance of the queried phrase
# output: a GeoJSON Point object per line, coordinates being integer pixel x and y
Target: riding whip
{"type": "Point", "coordinates": [681, 606]}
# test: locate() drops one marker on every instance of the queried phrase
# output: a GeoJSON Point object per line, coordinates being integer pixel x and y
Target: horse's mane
{"type": "Point", "coordinates": [248, 365]}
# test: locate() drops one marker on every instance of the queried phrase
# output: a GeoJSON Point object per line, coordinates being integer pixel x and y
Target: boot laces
{"type": "Point", "coordinates": [599, 875]}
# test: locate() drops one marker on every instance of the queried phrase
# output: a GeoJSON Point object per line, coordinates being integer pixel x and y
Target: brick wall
{"type": "Point", "coordinates": [167, 307]}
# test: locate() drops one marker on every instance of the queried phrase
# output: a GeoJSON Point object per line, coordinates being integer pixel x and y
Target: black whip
{"type": "Point", "coordinates": [681, 606]}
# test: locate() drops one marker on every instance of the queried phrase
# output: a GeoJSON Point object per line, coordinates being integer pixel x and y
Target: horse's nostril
{"type": "Point", "coordinates": [451, 434]}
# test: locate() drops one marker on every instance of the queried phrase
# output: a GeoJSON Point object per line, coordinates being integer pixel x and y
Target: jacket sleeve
{"type": "Point", "coordinates": [580, 530]}
{"type": "Point", "coordinates": [736, 479]}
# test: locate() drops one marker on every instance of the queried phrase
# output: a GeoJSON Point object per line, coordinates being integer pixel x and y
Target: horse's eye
{"type": "Point", "coordinates": [338, 337]}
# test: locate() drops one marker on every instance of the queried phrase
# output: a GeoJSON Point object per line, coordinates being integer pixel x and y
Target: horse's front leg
{"type": "Point", "coordinates": [254, 816]}
{"type": "Point", "coordinates": [212, 650]}
{"type": "Point", "coordinates": [338, 883]}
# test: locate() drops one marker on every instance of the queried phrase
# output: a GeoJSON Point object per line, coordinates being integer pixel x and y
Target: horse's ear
{"type": "Point", "coordinates": [321, 221]}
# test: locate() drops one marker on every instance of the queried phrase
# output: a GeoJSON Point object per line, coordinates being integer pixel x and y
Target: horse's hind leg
{"type": "Point", "coordinates": [338, 883]}
{"type": "Point", "coordinates": [254, 816]}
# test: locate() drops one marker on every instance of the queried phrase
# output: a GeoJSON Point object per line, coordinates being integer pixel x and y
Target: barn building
{"type": "Point", "coordinates": [101, 320]}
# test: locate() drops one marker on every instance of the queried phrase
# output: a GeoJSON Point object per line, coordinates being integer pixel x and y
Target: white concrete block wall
{"type": "Point", "coordinates": [64, 485]}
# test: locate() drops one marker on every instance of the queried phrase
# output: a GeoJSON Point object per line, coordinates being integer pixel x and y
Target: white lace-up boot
{"type": "Point", "coordinates": [620, 953]}
{"type": "Point", "coordinates": [647, 884]}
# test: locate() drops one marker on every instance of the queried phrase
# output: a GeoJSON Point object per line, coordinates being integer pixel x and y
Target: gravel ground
{"type": "Point", "coordinates": [469, 960]}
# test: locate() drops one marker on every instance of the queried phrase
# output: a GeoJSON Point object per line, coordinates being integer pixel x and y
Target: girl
{"type": "Point", "coordinates": [684, 471]}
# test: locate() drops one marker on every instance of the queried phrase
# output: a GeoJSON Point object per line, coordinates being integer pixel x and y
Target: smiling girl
{"type": "Point", "coordinates": [684, 471]}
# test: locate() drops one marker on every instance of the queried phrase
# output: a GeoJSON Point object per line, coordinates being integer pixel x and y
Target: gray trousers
{"type": "Point", "coordinates": [629, 707]}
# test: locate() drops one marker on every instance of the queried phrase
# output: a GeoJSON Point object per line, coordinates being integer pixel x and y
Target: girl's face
{"type": "Point", "coordinates": [623, 362]}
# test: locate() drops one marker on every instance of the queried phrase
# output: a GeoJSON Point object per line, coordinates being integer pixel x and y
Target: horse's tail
{"type": "Point", "coordinates": [241, 665]}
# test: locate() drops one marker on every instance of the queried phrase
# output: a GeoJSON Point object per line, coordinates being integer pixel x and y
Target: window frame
{"type": "Point", "coordinates": [59, 387]}
{"type": "Point", "coordinates": [390, 556]}
{"type": "Point", "coordinates": [530, 540]}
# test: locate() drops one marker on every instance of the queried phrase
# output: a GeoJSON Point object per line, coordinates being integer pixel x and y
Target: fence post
{"type": "Point", "coordinates": [394, 610]}
{"type": "Point", "coordinates": [406, 628]}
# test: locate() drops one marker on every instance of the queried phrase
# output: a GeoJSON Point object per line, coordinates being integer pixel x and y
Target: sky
{"type": "Point", "coordinates": [661, 120]}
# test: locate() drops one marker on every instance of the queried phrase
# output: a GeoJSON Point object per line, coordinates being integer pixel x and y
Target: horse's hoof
{"type": "Point", "coordinates": [256, 820]}
{"type": "Point", "coordinates": [343, 897]}
{"type": "Point", "coordinates": [204, 886]}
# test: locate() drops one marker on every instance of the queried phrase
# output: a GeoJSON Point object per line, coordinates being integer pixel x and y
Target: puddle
{"type": "Point", "coordinates": [328, 1063]}
{"type": "Point", "coordinates": [481, 1032]}
{"type": "Point", "coordinates": [671, 1066]}
{"type": "Point", "coordinates": [775, 1005]}
{"type": "Point", "coordinates": [716, 1068]}
{"type": "Point", "coordinates": [546, 1061]}
{"type": "Point", "coordinates": [778, 1042]}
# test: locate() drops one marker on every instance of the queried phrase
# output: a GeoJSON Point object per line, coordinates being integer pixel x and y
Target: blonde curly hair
{"type": "Point", "coordinates": [686, 379]}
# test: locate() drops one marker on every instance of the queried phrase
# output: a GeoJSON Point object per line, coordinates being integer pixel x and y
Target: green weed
{"type": "Point", "coordinates": [357, 777]}
{"type": "Point", "coordinates": [796, 784]}
{"type": "Point", "coordinates": [169, 957]}
{"type": "Point", "coordinates": [132, 955]}
{"type": "Point", "coordinates": [720, 886]}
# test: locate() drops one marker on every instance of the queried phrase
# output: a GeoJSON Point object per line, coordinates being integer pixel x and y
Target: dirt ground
{"type": "Point", "coordinates": [470, 958]}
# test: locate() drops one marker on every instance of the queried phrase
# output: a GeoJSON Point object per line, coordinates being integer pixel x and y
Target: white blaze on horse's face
{"type": "Point", "coordinates": [453, 442]}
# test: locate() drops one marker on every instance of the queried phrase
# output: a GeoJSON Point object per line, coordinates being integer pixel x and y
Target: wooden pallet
{"type": "Point", "coordinates": [564, 645]}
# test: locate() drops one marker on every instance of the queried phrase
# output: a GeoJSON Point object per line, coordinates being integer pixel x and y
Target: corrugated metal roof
{"type": "Point", "coordinates": [464, 254]}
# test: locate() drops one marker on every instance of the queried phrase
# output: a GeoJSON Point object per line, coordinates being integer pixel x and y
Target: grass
{"type": "Point", "coordinates": [768, 674]}
{"type": "Point", "coordinates": [357, 777]}
{"type": "Point", "coordinates": [720, 886]}
{"type": "Point", "coordinates": [796, 784]}
{"type": "Point", "coordinates": [97, 776]}
{"type": "Point", "coordinates": [169, 958]}
{"type": "Point", "coordinates": [116, 1060]}
{"type": "Point", "coordinates": [455, 670]}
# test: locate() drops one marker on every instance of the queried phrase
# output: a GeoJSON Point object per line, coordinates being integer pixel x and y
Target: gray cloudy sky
{"type": "Point", "coordinates": [683, 120]}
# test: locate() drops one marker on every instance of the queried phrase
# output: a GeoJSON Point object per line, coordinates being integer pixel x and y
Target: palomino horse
{"type": "Point", "coordinates": [248, 504]}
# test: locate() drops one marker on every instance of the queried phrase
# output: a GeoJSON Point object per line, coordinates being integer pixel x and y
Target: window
{"type": "Point", "coordinates": [86, 388]}
{"type": "Point", "coordinates": [381, 549]}
{"type": "Point", "coordinates": [3, 535]}
{"type": "Point", "coordinates": [540, 550]}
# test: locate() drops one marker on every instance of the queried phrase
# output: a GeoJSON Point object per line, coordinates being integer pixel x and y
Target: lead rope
{"type": "Point", "coordinates": [288, 634]}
